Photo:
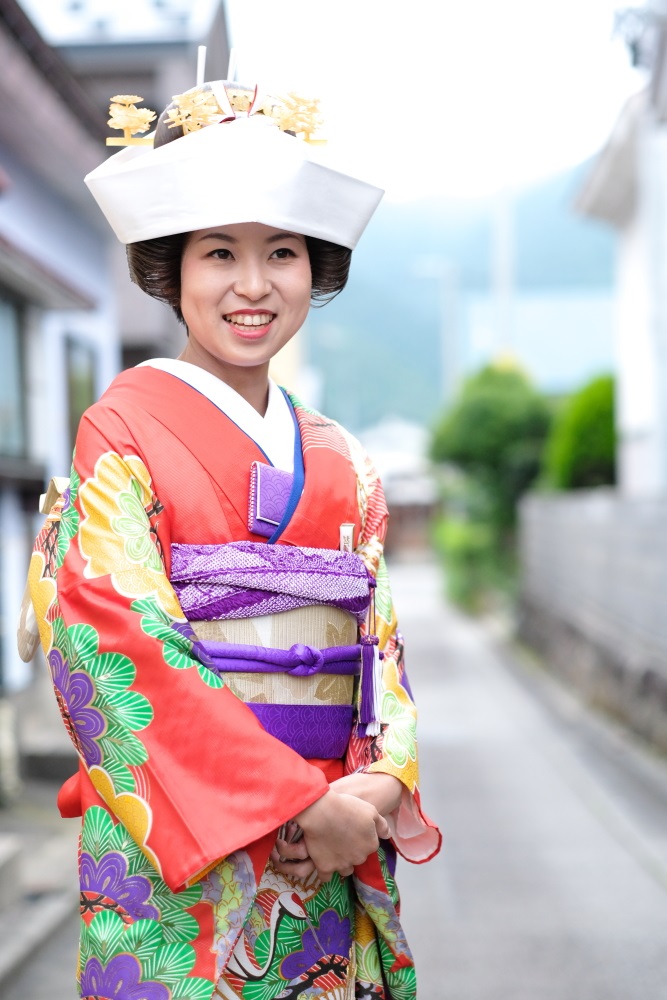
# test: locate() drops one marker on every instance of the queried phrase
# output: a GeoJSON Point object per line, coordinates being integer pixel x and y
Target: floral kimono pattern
{"type": "Point", "coordinates": [181, 789]}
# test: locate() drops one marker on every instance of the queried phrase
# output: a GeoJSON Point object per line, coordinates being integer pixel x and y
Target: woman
{"type": "Point", "coordinates": [217, 585]}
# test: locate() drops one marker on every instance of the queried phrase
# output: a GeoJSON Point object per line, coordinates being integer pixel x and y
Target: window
{"type": "Point", "coordinates": [80, 362]}
{"type": "Point", "coordinates": [12, 394]}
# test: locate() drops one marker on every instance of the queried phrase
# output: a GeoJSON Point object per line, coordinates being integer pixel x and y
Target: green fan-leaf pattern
{"type": "Point", "coordinates": [157, 623]}
{"type": "Point", "coordinates": [169, 963]}
{"type": "Point", "coordinates": [124, 712]}
{"type": "Point", "coordinates": [142, 938]}
{"type": "Point", "coordinates": [97, 835]}
{"type": "Point", "coordinates": [107, 936]}
{"type": "Point", "coordinates": [104, 934]}
{"type": "Point", "coordinates": [266, 989]}
{"type": "Point", "coordinates": [112, 673]}
{"type": "Point", "coordinates": [402, 984]}
{"type": "Point", "coordinates": [176, 924]}
{"type": "Point", "coordinates": [121, 746]}
{"type": "Point", "coordinates": [209, 678]}
{"type": "Point", "coordinates": [177, 659]}
{"type": "Point", "coordinates": [100, 835]}
{"type": "Point", "coordinates": [121, 778]}
{"type": "Point", "coordinates": [288, 939]}
{"type": "Point", "coordinates": [69, 519]}
{"type": "Point", "coordinates": [383, 592]}
{"type": "Point", "coordinates": [83, 642]}
{"type": "Point", "coordinates": [194, 988]}
{"type": "Point", "coordinates": [332, 895]}
{"type": "Point", "coordinates": [132, 710]}
{"type": "Point", "coordinates": [176, 648]}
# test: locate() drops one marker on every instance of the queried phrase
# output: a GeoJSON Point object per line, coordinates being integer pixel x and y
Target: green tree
{"type": "Point", "coordinates": [581, 449]}
{"type": "Point", "coordinates": [495, 433]}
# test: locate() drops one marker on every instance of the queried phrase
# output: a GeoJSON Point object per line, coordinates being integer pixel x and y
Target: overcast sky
{"type": "Point", "coordinates": [456, 98]}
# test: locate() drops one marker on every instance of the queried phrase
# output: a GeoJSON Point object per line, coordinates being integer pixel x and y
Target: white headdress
{"type": "Point", "coordinates": [238, 158]}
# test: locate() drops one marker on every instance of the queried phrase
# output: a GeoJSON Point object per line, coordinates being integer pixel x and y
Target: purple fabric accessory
{"type": "Point", "coordinates": [299, 660]}
{"type": "Point", "coordinates": [303, 661]}
{"type": "Point", "coordinates": [245, 579]}
{"type": "Point", "coordinates": [311, 730]}
{"type": "Point", "coordinates": [270, 490]}
{"type": "Point", "coordinates": [367, 708]}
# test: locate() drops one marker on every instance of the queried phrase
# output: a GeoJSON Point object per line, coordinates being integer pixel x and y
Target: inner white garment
{"type": "Point", "coordinates": [273, 432]}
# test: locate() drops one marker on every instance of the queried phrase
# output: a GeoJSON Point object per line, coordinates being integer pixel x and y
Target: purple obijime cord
{"type": "Point", "coordinates": [303, 661]}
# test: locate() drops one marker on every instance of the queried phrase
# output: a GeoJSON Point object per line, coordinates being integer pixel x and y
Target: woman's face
{"type": "Point", "coordinates": [245, 291]}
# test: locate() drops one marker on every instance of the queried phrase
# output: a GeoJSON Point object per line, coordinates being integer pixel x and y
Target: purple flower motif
{"type": "Point", "coordinates": [109, 877]}
{"type": "Point", "coordinates": [119, 980]}
{"type": "Point", "coordinates": [333, 934]}
{"type": "Point", "coordinates": [75, 692]}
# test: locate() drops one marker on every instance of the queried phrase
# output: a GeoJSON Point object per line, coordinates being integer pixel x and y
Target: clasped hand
{"type": "Point", "coordinates": [340, 829]}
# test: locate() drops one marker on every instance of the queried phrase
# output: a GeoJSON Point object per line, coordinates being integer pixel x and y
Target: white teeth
{"type": "Point", "coordinates": [242, 319]}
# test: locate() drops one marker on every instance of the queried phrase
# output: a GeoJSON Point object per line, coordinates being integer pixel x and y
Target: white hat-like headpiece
{"type": "Point", "coordinates": [227, 166]}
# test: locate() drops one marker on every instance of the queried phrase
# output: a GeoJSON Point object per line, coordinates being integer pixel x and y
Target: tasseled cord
{"type": "Point", "coordinates": [371, 679]}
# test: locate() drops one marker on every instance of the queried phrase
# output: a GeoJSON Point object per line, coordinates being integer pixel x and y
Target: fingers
{"type": "Point", "coordinates": [291, 868]}
{"type": "Point", "coordinates": [382, 827]}
{"type": "Point", "coordinates": [290, 851]}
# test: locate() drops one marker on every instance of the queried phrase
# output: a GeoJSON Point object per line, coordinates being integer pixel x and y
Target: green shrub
{"type": "Point", "coordinates": [581, 449]}
{"type": "Point", "coordinates": [495, 432]}
{"type": "Point", "coordinates": [467, 549]}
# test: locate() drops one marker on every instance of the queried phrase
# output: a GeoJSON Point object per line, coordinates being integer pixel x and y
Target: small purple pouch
{"type": "Point", "coordinates": [270, 490]}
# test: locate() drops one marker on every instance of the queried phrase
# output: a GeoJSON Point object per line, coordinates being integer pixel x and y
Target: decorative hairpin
{"type": "Point", "coordinates": [127, 116]}
{"type": "Point", "coordinates": [198, 108]}
{"type": "Point", "coordinates": [194, 110]}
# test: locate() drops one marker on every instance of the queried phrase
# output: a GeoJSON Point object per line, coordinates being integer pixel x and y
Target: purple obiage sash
{"type": "Point", "coordinates": [245, 579]}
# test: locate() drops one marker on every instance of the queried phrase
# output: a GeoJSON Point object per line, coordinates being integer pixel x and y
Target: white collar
{"type": "Point", "coordinates": [273, 432]}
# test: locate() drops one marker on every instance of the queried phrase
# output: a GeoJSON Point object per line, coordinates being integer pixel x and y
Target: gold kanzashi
{"type": "Point", "coordinates": [295, 114]}
{"type": "Point", "coordinates": [199, 108]}
{"type": "Point", "coordinates": [240, 99]}
{"type": "Point", "coordinates": [127, 116]}
{"type": "Point", "coordinates": [194, 110]}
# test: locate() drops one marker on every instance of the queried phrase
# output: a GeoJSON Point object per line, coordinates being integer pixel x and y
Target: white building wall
{"type": "Point", "coordinates": [637, 408]}
{"type": "Point", "coordinates": [59, 237]}
{"type": "Point", "coordinates": [641, 328]}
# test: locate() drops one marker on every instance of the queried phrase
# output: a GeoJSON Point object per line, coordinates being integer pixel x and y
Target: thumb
{"type": "Point", "coordinates": [382, 827]}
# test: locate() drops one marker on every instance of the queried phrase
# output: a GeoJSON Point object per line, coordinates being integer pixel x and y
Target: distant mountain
{"type": "Point", "coordinates": [377, 344]}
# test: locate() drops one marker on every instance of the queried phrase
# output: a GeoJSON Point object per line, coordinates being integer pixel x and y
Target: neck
{"type": "Point", "coordinates": [252, 383]}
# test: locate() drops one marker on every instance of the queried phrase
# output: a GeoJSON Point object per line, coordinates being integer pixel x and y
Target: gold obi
{"type": "Point", "coordinates": [317, 625]}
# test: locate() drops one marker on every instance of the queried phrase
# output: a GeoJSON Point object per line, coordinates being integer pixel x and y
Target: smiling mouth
{"type": "Point", "coordinates": [248, 321]}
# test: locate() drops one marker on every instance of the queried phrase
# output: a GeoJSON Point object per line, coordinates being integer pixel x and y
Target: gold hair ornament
{"type": "Point", "coordinates": [297, 115]}
{"type": "Point", "coordinates": [127, 116]}
{"type": "Point", "coordinates": [194, 110]}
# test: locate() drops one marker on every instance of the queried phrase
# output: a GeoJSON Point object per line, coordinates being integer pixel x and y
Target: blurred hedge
{"type": "Point", "coordinates": [495, 433]}
{"type": "Point", "coordinates": [581, 449]}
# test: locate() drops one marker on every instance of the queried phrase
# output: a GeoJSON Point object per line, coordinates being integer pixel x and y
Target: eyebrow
{"type": "Point", "coordinates": [276, 238]}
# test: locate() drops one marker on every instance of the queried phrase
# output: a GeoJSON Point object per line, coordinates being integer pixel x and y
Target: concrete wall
{"type": "Point", "coordinates": [594, 599]}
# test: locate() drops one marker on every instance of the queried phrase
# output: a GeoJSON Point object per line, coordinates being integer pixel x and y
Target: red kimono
{"type": "Point", "coordinates": [181, 789]}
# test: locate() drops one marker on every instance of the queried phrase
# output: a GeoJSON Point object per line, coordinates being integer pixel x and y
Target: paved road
{"type": "Point", "coordinates": [553, 881]}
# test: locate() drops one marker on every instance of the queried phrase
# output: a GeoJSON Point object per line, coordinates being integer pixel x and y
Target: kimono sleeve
{"type": "Point", "coordinates": [394, 750]}
{"type": "Point", "coordinates": [173, 753]}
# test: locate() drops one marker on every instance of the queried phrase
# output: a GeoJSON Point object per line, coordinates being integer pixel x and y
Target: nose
{"type": "Point", "coordinates": [252, 282]}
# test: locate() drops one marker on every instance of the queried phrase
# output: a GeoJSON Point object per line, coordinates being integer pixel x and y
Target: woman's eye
{"type": "Point", "coordinates": [221, 253]}
{"type": "Point", "coordinates": [282, 252]}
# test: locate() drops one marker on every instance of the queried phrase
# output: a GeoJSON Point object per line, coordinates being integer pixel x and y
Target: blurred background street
{"type": "Point", "coordinates": [500, 350]}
